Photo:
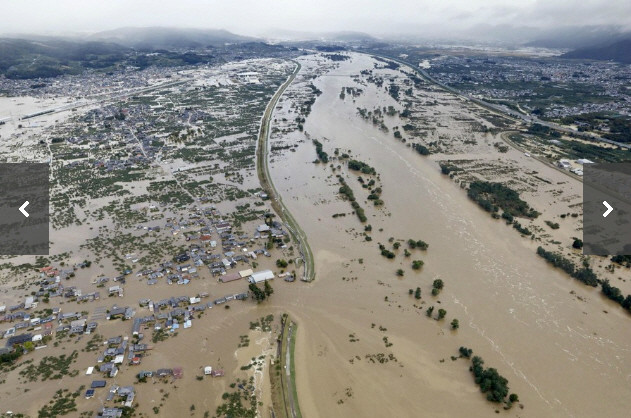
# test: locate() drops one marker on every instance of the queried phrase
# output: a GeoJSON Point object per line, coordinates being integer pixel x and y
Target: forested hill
{"type": "Point", "coordinates": [619, 51]}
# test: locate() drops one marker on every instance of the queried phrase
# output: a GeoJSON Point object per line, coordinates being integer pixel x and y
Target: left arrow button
{"type": "Point", "coordinates": [24, 212]}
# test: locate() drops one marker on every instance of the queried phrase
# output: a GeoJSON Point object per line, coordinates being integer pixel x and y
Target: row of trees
{"type": "Point", "coordinates": [584, 274]}
{"type": "Point", "coordinates": [616, 295]}
{"type": "Point", "coordinates": [587, 276]}
{"type": "Point", "coordinates": [490, 381]}
{"type": "Point", "coordinates": [322, 156]}
{"type": "Point", "coordinates": [361, 166]}
{"type": "Point", "coordinates": [345, 190]}
{"type": "Point", "coordinates": [490, 196]}
{"type": "Point", "coordinates": [420, 244]}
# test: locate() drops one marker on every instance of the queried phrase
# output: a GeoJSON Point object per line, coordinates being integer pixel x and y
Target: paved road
{"type": "Point", "coordinates": [266, 182]}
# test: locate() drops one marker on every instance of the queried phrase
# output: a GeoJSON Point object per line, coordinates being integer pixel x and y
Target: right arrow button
{"type": "Point", "coordinates": [609, 208]}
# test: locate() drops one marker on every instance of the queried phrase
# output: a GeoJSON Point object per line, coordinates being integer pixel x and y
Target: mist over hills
{"type": "Point", "coordinates": [298, 36]}
{"type": "Point", "coordinates": [34, 56]}
{"type": "Point", "coordinates": [50, 57]}
{"type": "Point", "coordinates": [168, 38]}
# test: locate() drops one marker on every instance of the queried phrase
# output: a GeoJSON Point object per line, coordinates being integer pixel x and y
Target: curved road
{"type": "Point", "coordinates": [262, 168]}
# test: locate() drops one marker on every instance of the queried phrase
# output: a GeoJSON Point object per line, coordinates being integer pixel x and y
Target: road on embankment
{"type": "Point", "coordinates": [262, 169]}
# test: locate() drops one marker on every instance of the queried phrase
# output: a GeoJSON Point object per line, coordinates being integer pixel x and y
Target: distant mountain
{"type": "Point", "coordinates": [574, 37]}
{"type": "Point", "coordinates": [349, 36]}
{"type": "Point", "coordinates": [50, 57]}
{"type": "Point", "coordinates": [562, 37]}
{"type": "Point", "coordinates": [151, 38]}
{"type": "Point", "coordinates": [619, 51]}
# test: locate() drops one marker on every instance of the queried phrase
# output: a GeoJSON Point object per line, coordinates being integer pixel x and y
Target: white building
{"type": "Point", "coordinates": [565, 164]}
{"type": "Point", "coordinates": [584, 161]}
{"type": "Point", "coordinates": [261, 276]}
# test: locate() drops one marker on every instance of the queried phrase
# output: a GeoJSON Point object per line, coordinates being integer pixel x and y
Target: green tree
{"type": "Point", "coordinates": [417, 264]}
{"type": "Point", "coordinates": [455, 324]}
{"type": "Point", "coordinates": [429, 311]}
{"type": "Point", "coordinates": [400, 272]}
{"type": "Point", "coordinates": [465, 352]}
{"type": "Point", "coordinates": [267, 288]}
{"type": "Point", "coordinates": [417, 293]}
{"type": "Point", "coordinates": [513, 398]}
{"type": "Point", "coordinates": [441, 313]}
{"type": "Point", "coordinates": [257, 293]}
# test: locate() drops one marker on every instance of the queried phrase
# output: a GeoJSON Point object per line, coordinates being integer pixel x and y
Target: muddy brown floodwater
{"type": "Point", "coordinates": [562, 356]}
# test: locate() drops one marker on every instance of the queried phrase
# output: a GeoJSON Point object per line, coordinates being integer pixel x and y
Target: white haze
{"type": "Point", "coordinates": [258, 17]}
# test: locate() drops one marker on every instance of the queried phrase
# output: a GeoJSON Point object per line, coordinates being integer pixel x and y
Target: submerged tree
{"type": "Point", "coordinates": [257, 293]}
{"type": "Point", "coordinates": [267, 288]}
{"type": "Point", "coordinates": [441, 313]}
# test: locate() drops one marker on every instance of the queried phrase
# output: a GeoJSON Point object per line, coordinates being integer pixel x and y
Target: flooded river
{"type": "Point", "coordinates": [563, 353]}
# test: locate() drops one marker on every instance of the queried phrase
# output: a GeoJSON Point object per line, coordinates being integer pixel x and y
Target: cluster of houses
{"type": "Point", "coordinates": [177, 311]}
{"type": "Point", "coordinates": [70, 322]}
{"type": "Point", "coordinates": [127, 393]}
{"type": "Point", "coordinates": [180, 271]}
{"type": "Point", "coordinates": [117, 351]}
{"type": "Point", "coordinates": [185, 266]}
{"type": "Point", "coordinates": [169, 314]}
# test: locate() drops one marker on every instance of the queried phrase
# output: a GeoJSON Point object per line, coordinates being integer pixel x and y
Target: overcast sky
{"type": "Point", "coordinates": [256, 17]}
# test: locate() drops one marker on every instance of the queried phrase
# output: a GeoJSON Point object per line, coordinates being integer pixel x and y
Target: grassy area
{"type": "Point", "coordinates": [281, 395]}
{"type": "Point", "coordinates": [278, 401]}
{"type": "Point", "coordinates": [292, 368]}
{"type": "Point", "coordinates": [50, 368]}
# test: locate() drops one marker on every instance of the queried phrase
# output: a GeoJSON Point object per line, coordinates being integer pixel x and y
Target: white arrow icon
{"type": "Point", "coordinates": [25, 213]}
{"type": "Point", "coordinates": [607, 205]}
